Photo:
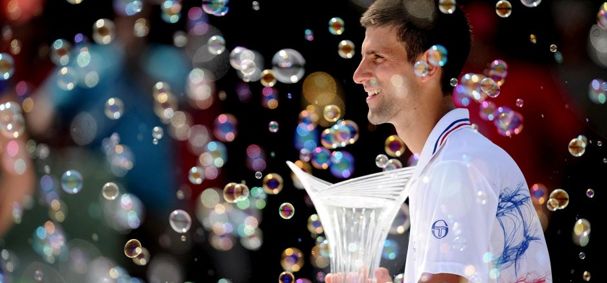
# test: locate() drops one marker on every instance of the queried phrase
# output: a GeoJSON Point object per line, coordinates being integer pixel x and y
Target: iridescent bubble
{"type": "Point", "coordinates": [342, 164]}
{"type": "Point", "coordinates": [559, 199]}
{"type": "Point", "coordinates": [215, 7]}
{"type": "Point", "coordinates": [49, 242]}
{"type": "Point", "coordinates": [508, 121]}
{"type": "Point", "coordinates": [309, 34]}
{"type": "Point", "coordinates": [272, 183]}
{"type": "Point", "coordinates": [288, 66]}
{"type": "Point", "coordinates": [71, 181]}
{"type": "Point", "coordinates": [394, 146]}
{"type": "Point", "coordinates": [577, 146]}
{"type": "Point", "coordinates": [132, 248]}
{"type": "Point", "coordinates": [110, 191]}
{"type": "Point", "coordinates": [12, 122]}
{"type": "Point", "coordinates": [498, 70]}
{"type": "Point", "coordinates": [269, 98]}
{"type": "Point", "coordinates": [390, 251]}
{"type": "Point", "coordinates": [336, 26]}
{"type": "Point", "coordinates": [196, 175]}
{"type": "Point", "coordinates": [267, 78]}
{"type": "Point", "coordinates": [538, 193]}
{"type": "Point", "coordinates": [601, 17]}
{"type": "Point", "coordinates": [143, 258]}
{"type": "Point", "coordinates": [180, 221]}
{"type": "Point", "coordinates": [66, 78]}
{"type": "Point", "coordinates": [581, 232]}
{"type": "Point", "coordinates": [273, 126]}
{"type": "Point", "coordinates": [286, 277]}
{"type": "Point", "coordinates": [216, 44]}
{"type": "Point", "coordinates": [7, 66]}
{"type": "Point", "coordinates": [128, 7]}
{"type": "Point", "coordinates": [225, 127]}
{"type": "Point", "coordinates": [103, 31]}
{"type": "Point", "coordinates": [321, 158]}
{"type": "Point", "coordinates": [487, 110]}
{"type": "Point", "coordinates": [447, 6]}
{"type": "Point", "coordinates": [346, 49]}
{"type": "Point", "coordinates": [590, 193]}
{"type": "Point", "coordinates": [234, 192]}
{"type": "Point", "coordinates": [331, 113]}
{"type": "Point", "coordinates": [393, 164]}
{"type": "Point", "coordinates": [60, 52]}
{"type": "Point", "coordinates": [437, 55]}
{"type": "Point", "coordinates": [531, 3]}
{"type": "Point", "coordinates": [519, 102]}
{"type": "Point", "coordinates": [170, 11]}
{"type": "Point", "coordinates": [286, 210]}
{"type": "Point", "coordinates": [490, 87]}
{"type": "Point", "coordinates": [503, 8]}
{"type": "Point", "coordinates": [381, 160]}
{"type": "Point", "coordinates": [346, 132]}
{"type": "Point", "coordinates": [141, 27]}
{"type": "Point", "coordinates": [305, 154]}
{"type": "Point", "coordinates": [114, 107]}
{"type": "Point", "coordinates": [292, 259]}
{"type": "Point", "coordinates": [421, 68]}
{"type": "Point", "coordinates": [328, 139]}
{"type": "Point", "coordinates": [314, 225]}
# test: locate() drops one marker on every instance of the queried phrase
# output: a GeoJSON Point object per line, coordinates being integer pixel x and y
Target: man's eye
{"type": "Point", "coordinates": [378, 59]}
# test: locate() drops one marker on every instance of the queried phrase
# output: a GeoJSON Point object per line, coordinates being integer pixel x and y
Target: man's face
{"type": "Point", "coordinates": [386, 75]}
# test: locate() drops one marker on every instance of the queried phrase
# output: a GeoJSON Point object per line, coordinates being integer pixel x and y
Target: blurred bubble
{"type": "Point", "coordinates": [336, 26]}
{"type": "Point", "coordinates": [503, 8]}
{"type": "Point", "coordinates": [590, 193]}
{"type": "Point", "coordinates": [215, 7]}
{"type": "Point", "coordinates": [288, 66]}
{"type": "Point", "coordinates": [170, 11]}
{"type": "Point", "coordinates": [519, 102]}
{"type": "Point", "coordinates": [586, 275]}
{"type": "Point", "coordinates": [538, 193]}
{"type": "Point", "coordinates": [402, 221]}
{"type": "Point", "coordinates": [49, 241]}
{"type": "Point", "coordinates": [157, 133]}
{"type": "Point", "coordinates": [309, 34]}
{"type": "Point", "coordinates": [267, 78]}
{"type": "Point", "coordinates": [141, 27]}
{"type": "Point", "coordinates": [393, 164]}
{"type": "Point", "coordinates": [487, 110]}
{"type": "Point", "coordinates": [399, 278]}
{"type": "Point", "coordinates": [390, 250]}
{"type": "Point", "coordinates": [328, 138]}
{"type": "Point", "coordinates": [225, 127]}
{"type": "Point", "coordinates": [508, 121]}
{"type": "Point", "coordinates": [110, 191]}
{"type": "Point", "coordinates": [60, 52]}
{"type": "Point", "coordinates": [437, 55]}
{"type": "Point", "coordinates": [180, 221]}
{"type": "Point", "coordinates": [342, 164]}
{"type": "Point", "coordinates": [489, 87]}
{"type": "Point", "coordinates": [321, 158]}
{"type": "Point", "coordinates": [498, 70]}
{"type": "Point", "coordinates": [421, 68]}
{"type": "Point", "coordinates": [66, 78]}
{"type": "Point", "coordinates": [346, 132]}
{"type": "Point", "coordinates": [200, 88]}
{"type": "Point", "coordinates": [581, 232]}
{"type": "Point", "coordinates": [114, 107]}
{"type": "Point", "coordinates": [597, 91]}
{"type": "Point", "coordinates": [216, 44]}
{"type": "Point", "coordinates": [346, 49]}
{"type": "Point", "coordinates": [255, 5]}
{"type": "Point", "coordinates": [125, 213]}
{"type": "Point", "coordinates": [577, 146]}
{"type": "Point", "coordinates": [381, 160]}
{"type": "Point", "coordinates": [331, 113]}
{"type": "Point", "coordinates": [103, 31]}
{"type": "Point", "coordinates": [7, 66]}
{"type": "Point", "coordinates": [533, 38]}
{"type": "Point", "coordinates": [314, 225]}
{"type": "Point", "coordinates": [164, 268]}
{"type": "Point", "coordinates": [142, 258]}
{"type": "Point", "coordinates": [234, 192]}
{"type": "Point", "coordinates": [128, 7]}
{"type": "Point", "coordinates": [559, 199]}
{"type": "Point", "coordinates": [196, 175]}
{"type": "Point", "coordinates": [601, 17]}
{"type": "Point", "coordinates": [394, 146]}
{"type": "Point", "coordinates": [12, 122]}
{"type": "Point", "coordinates": [132, 248]}
{"type": "Point", "coordinates": [286, 277]}
{"type": "Point", "coordinates": [273, 126]}
{"type": "Point", "coordinates": [256, 158]}
{"type": "Point", "coordinates": [531, 3]}
{"type": "Point", "coordinates": [292, 259]}
{"type": "Point", "coordinates": [180, 38]}
{"type": "Point", "coordinates": [447, 6]}
{"type": "Point", "coordinates": [286, 210]}
{"type": "Point", "coordinates": [71, 181]}
{"type": "Point", "coordinates": [272, 183]}
{"type": "Point", "coordinates": [269, 98]}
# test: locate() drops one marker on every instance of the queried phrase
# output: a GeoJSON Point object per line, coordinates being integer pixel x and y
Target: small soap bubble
{"type": "Point", "coordinates": [258, 175]}
{"type": "Point", "coordinates": [314, 224]}
{"type": "Point", "coordinates": [157, 133]}
{"type": "Point", "coordinates": [273, 126]}
{"type": "Point", "coordinates": [255, 5]}
{"type": "Point", "coordinates": [60, 52]}
{"type": "Point", "coordinates": [336, 26]}
{"type": "Point", "coordinates": [553, 48]}
{"type": "Point", "coordinates": [346, 49]}
{"type": "Point", "coordinates": [503, 8]}
{"type": "Point", "coordinates": [590, 193]}
{"type": "Point", "coordinates": [446, 6]}
{"type": "Point", "coordinates": [394, 146]}
{"type": "Point", "coordinates": [309, 34]}
{"type": "Point", "coordinates": [381, 160]}
{"type": "Point", "coordinates": [577, 146]}
{"type": "Point", "coordinates": [71, 181]}
{"type": "Point", "coordinates": [170, 11]}
{"type": "Point", "coordinates": [234, 192]}
{"type": "Point", "coordinates": [519, 102]}
{"type": "Point", "coordinates": [114, 107]}
{"type": "Point", "coordinates": [286, 277]}
{"type": "Point", "coordinates": [272, 183]}
{"type": "Point", "coordinates": [267, 78]}
{"type": "Point", "coordinates": [196, 175]}
{"type": "Point", "coordinates": [489, 87]}
{"type": "Point", "coordinates": [7, 66]}
{"type": "Point", "coordinates": [582, 255]}
{"type": "Point", "coordinates": [180, 221]}
{"type": "Point", "coordinates": [132, 248]}
{"type": "Point", "coordinates": [437, 55]}
{"type": "Point", "coordinates": [66, 78]}
{"type": "Point", "coordinates": [586, 276]}
{"type": "Point", "coordinates": [393, 164]}
{"type": "Point", "coordinates": [331, 113]}
{"type": "Point", "coordinates": [292, 259]}
{"type": "Point", "coordinates": [110, 191]}
{"type": "Point", "coordinates": [538, 193]}
{"type": "Point", "coordinates": [453, 82]}
{"type": "Point", "coordinates": [286, 210]}
{"type": "Point", "coordinates": [421, 68]}
{"type": "Point", "coordinates": [533, 38]}
{"type": "Point", "coordinates": [38, 275]}
{"type": "Point", "coordinates": [531, 3]}
{"type": "Point", "coordinates": [103, 31]}
{"type": "Point", "coordinates": [216, 44]}
{"type": "Point", "coordinates": [559, 199]}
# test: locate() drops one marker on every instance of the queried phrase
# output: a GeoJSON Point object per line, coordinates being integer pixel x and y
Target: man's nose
{"type": "Point", "coordinates": [360, 74]}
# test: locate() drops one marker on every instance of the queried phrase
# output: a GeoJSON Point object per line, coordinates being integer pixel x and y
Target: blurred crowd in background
{"type": "Point", "coordinates": [146, 140]}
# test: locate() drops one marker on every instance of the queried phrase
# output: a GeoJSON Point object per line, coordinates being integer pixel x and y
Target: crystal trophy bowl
{"type": "Point", "coordinates": [356, 215]}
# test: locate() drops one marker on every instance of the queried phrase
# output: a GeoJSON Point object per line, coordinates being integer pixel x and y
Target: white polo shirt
{"type": "Point", "coordinates": [471, 212]}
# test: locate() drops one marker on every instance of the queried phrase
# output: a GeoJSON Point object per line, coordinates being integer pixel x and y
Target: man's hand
{"type": "Point", "coordinates": [381, 275]}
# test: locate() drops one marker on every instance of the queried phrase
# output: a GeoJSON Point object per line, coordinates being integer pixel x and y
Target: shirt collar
{"type": "Point", "coordinates": [450, 122]}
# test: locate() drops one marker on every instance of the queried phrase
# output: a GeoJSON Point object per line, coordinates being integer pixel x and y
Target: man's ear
{"type": "Point", "coordinates": [432, 71]}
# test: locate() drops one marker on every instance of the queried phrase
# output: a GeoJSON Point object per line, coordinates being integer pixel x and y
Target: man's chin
{"type": "Point", "coordinates": [373, 119]}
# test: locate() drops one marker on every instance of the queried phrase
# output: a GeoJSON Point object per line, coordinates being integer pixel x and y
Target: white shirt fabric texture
{"type": "Point", "coordinates": [471, 211]}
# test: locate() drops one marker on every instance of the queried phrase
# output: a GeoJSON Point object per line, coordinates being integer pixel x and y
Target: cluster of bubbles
{"type": "Point", "coordinates": [577, 145]}
{"type": "Point", "coordinates": [597, 91]}
{"type": "Point", "coordinates": [119, 156]}
{"type": "Point", "coordinates": [49, 242]}
{"type": "Point", "coordinates": [256, 158]}
{"type": "Point", "coordinates": [558, 199]}
{"type": "Point", "coordinates": [234, 192]}
{"type": "Point", "coordinates": [12, 123]}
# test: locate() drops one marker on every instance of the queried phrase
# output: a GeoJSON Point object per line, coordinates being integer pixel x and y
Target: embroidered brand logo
{"type": "Point", "coordinates": [440, 229]}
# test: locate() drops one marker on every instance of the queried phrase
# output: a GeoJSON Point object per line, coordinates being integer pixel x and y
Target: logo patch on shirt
{"type": "Point", "coordinates": [440, 229]}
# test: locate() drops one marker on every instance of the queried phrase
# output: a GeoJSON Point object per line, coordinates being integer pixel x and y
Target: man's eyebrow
{"type": "Point", "coordinates": [371, 52]}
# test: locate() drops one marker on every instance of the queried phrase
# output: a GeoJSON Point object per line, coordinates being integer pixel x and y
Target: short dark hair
{"type": "Point", "coordinates": [420, 25]}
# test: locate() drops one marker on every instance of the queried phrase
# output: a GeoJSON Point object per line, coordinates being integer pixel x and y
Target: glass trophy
{"type": "Point", "coordinates": [356, 215]}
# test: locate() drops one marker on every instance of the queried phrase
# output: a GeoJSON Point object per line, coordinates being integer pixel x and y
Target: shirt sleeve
{"type": "Point", "coordinates": [457, 220]}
